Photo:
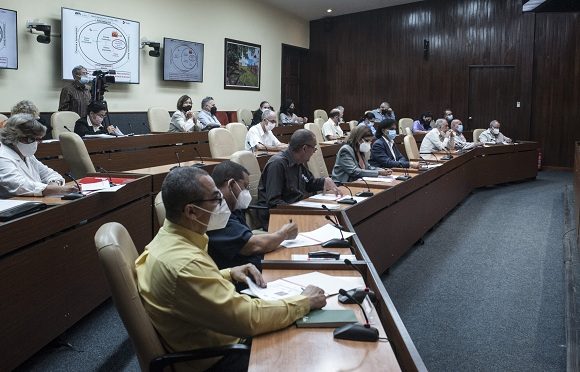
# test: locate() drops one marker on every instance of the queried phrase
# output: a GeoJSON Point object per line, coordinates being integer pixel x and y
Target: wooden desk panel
{"type": "Point", "coordinates": [314, 349]}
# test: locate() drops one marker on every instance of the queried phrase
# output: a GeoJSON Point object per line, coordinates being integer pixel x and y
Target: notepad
{"type": "Point", "coordinates": [327, 319]}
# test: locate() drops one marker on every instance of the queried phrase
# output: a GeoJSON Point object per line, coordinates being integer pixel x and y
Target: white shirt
{"type": "Point", "coordinates": [331, 129]}
{"type": "Point", "coordinates": [256, 134]}
{"type": "Point", "coordinates": [432, 142]}
{"type": "Point", "coordinates": [19, 177]}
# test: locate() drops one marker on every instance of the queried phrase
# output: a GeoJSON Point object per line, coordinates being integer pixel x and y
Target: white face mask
{"type": "Point", "coordinates": [243, 200]}
{"type": "Point", "coordinates": [27, 149]}
{"type": "Point", "coordinates": [85, 79]}
{"type": "Point", "coordinates": [270, 126]}
{"type": "Point", "coordinates": [219, 217]}
{"type": "Point", "coordinates": [365, 147]}
{"type": "Point", "coordinates": [495, 131]}
{"type": "Point", "coordinates": [460, 128]}
{"type": "Point", "coordinates": [449, 117]}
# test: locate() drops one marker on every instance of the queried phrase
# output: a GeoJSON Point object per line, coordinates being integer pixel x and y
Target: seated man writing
{"type": "Point", "coordinates": [286, 179]}
{"type": "Point", "coordinates": [235, 244]}
{"type": "Point", "coordinates": [192, 304]}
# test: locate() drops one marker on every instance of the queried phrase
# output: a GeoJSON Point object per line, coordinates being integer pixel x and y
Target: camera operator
{"type": "Point", "coordinates": [75, 95]}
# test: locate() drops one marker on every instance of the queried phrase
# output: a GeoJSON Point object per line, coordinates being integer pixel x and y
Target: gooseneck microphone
{"type": "Point", "coordinates": [250, 146]}
{"type": "Point", "coordinates": [265, 147]}
{"type": "Point", "coordinates": [405, 176]}
{"type": "Point", "coordinates": [73, 195]}
{"type": "Point", "coordinates": [200, 164]}
{"type": "Point", "coordinates": [335, 243]}
{"type": "Point", "coordinates": [65, 127]}
{"type": "Point", "coordinates": [345, 200]}
{"type": "Point", "coordinates": [448, 156]}
{"type": "Point", "coordinates": [178, 162]}
{"type": "Point", "coordinates": [365, 194]}
{"type": "Point", "coordinates": [358, 294]}
{"type": "Point", "coordinates": [356, 331]}
{"type": "Point", "coordinates": [103, 170]}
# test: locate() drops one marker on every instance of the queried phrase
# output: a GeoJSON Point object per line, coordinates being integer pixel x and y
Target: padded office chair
{"type": "Point", "coordinates": [117, 254]}
{"type": "Point", "coordinates": [408, 131]}
{"type": "Point", "coordinates": [320, 122]}
{"type": "Point", "coordinates": [159, 119]}
{"type": "Point", "coordinates": [411, 147]}
{"type": "Point", "coordinates": [159, 209]}
{"type": "Point", "coordinates": [314, 128]}
{"type": "Point", "coordinates": [245, 117]}
{"type": "Point", "coordinates": [239, 132]}
{"type": "Point", "coordinates": [477, 133]}
{"type": "Point", "coordinates": [75, 154]}
{"type": "Point", "coordinates": [316, 164]}
{"type": "Point", "coordinates": [60, 119]}
{"type": "Point", "coordinates": [405, 123]}
{"type": "Point", "coordinates": [320, 114]}
{"type": "Point", "coordinates": [222, 116]}
{"type": "Point", "coordinates": [221, 143]}
{"type": "Point", "coordinates": [352, 124]}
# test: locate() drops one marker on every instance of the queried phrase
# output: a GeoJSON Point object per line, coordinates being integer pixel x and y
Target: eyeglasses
{"type": "Point", "coordinates": [218, 199]}
{"type": "Point", "coordinates": [312, 147]}
{"type": "Point", "coordinates": [29, 140]}
{"type": "Point", "coordinates": [273, 121]}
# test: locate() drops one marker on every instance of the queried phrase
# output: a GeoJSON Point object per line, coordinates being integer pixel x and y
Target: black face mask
{"type": "Point", "coordinates": [384, 111]}
{"type": "Point", "coordinates": [186, 108]}
{"type": "Point", "coordinates": [213, 110]}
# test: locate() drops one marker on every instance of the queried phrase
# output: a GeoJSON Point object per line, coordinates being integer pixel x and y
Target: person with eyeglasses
{"type": "Point", "coordinates": [235, 244]}
{"type": "Point", "coordinates": [286, 178]}
{"type": "Point", "coordinates": [93, 122]}
{"type": "Point", "coordinates": [260, 136]}
{"type": "Point", "coordinates": [257, 116]}
{"type": "Point", "coordinates": [75, 95]}
{"type": "Point", "coordinates": [21, 174]}
{"type": "Point", "coordinates": [191, 303]}
{"type": "Point", "coordinates": [331, 129]}
{"type": "Point", "coordinates": [351, 159]}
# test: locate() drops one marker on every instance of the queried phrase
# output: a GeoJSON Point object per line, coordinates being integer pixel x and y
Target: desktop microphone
{"type": "Point", "coordinates": [365, 194]}
{"type": "Point", "coordinates": [405, 176]}
{"type": "Point", "coordinates": [65, 127]}
{"type": "Point", "coordinates": [250, 146]}
{"type": "Point", "coordinates": [356, 331]}
{"type": "Point", "coordinates": [103, 170]}
{"type": "Point", "coordinates": [265, 147]}
{"type": "Point", "coordinates": [335, 243]}
{"type": "Point", "coordinates": [178, 162]}
{"type": "Point", "coordinates": [343, 200]}
{"type": "Point", "coordinates": [448, 156]}
{"type": "Point", "coordinates": [358, 294]}
{"type": "Point", "coordinates": [131, 129]}
{"type": "Point", "coordinates": [73, 195]}
{"type": "Point", "coordinates": [200, 164]}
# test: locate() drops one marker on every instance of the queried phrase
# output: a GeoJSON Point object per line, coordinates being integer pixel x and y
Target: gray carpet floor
{"type": "Point", "coordinates": [484, 293]}
{"type": "Point", "coordinates": [486, 290]}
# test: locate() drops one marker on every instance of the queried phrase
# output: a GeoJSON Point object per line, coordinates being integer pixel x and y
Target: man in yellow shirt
{"type": "Point", "coordinates": [193, 304]}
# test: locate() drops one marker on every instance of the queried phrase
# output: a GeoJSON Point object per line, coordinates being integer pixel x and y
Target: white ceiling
{"type": "Point", "coordinates": [316, 9]}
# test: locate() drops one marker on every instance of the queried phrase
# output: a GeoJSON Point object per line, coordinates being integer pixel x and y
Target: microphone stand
{"type": "Point", "coordinates": [346, 201]}
{"type": "Point", "coordinates": [265, 147]}
{"type": "Point", "coordinates": [367, 193]}
{"type": "Point", "coordinates": [103, 170]}
{"type": "Point", "coordinates": [356, 331]}
{"type": "Point", "coordinates": [73, 195]}
{"type": "Point", "coordinates": [335, 243]}
{"type": "Point", "coordinates": [200, 164]}
{"type": "Point", "coordinates": [178, 162]}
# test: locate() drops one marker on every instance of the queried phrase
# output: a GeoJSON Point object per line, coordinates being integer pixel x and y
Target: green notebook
{"type": "Point", "coordinates": [327, 319]}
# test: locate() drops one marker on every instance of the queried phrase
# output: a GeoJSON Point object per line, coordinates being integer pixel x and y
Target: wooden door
{"type": "Point", "coordinates": [292, 61]}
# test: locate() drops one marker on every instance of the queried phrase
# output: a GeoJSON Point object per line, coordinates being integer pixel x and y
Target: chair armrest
{"type": "Point", "coordinates": [159, 363]}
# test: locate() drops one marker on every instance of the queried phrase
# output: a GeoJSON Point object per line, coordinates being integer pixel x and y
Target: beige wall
{"type": "Point", "coordinates": [38, 77]}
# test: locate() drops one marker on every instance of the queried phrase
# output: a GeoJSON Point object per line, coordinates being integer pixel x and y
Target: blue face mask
{"type": "Point", "coordinates": [460, 128]}
{"type": "Point", "coordinates": [391, 134]}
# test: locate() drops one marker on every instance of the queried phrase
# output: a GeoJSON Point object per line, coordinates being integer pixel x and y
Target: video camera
{"type": "Point", "coordinates": [102, 78]}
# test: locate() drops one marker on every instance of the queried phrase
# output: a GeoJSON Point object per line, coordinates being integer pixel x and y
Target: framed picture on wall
{"type": "Point", "coordinates": [243, 64]}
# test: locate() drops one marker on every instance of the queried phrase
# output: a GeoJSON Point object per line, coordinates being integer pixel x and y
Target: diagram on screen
{"type": "Point", "coordinates": [184, 58]}
{"type": "Point", "coordinates": [102, 44]}
{"type": "Point", "coordinates": [2, 35]}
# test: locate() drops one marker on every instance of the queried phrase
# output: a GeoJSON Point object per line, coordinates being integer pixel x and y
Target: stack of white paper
{"type": "Point", "coordinates": [307, 204]}
{"type": "Point", "coordinates": [318, 236]}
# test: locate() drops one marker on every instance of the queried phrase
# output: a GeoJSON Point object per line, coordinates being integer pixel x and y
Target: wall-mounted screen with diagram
{"type": "Point", "coordinates": [182, 60]}
{"type": "Point", "coordinates": [8, 39]}
{"type": "Point", "coordinates": [100, 42]}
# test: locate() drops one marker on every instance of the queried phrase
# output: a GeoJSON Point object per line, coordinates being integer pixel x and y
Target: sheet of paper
{"type": "Point", "coordinates": [329, 284]}
{"type": "Point", "coordinates": [300, 241]}
{"type": "Point", "coordinates": [387, 179]}
{"type": "Point", "coordinates": [325, 233]}
{"type": "Point", "coordinates": [99, 136]}
{"type": "Point", "coordinates": [304, 257]}
{"type": "Point", "coordinates": [94, 186]}
{"type": "Point", "coordinates": [7, 204]}
{"type": "Point", "coordinates": [111, 189]}
{"type": "Point", "coordinates": [431, 166]}
{"type": "Point", "coordinates": [308, 204]}
{"type": "Point", "coordinates": [276, 290]}
{"type": "Point", "coordinates": [331, 197]}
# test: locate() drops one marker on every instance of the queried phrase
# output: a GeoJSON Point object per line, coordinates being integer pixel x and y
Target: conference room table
{"type": "Point", "coordinates": [50, 276]}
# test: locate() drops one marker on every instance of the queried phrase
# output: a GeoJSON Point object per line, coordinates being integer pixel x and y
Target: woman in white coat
{"type": "Point", "coordinates": [21, 174]}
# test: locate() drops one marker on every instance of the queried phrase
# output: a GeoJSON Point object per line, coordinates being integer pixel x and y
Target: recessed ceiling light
{"type": "Point", "coordinates": [328, 10]}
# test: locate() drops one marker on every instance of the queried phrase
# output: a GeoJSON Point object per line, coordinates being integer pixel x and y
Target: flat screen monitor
{"type": "Point", "coordinates": [100, 43]}
{"type": "Point", "coordinates": [8, 39]}
{"type": "Point", "coordinates": [182, 60]}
